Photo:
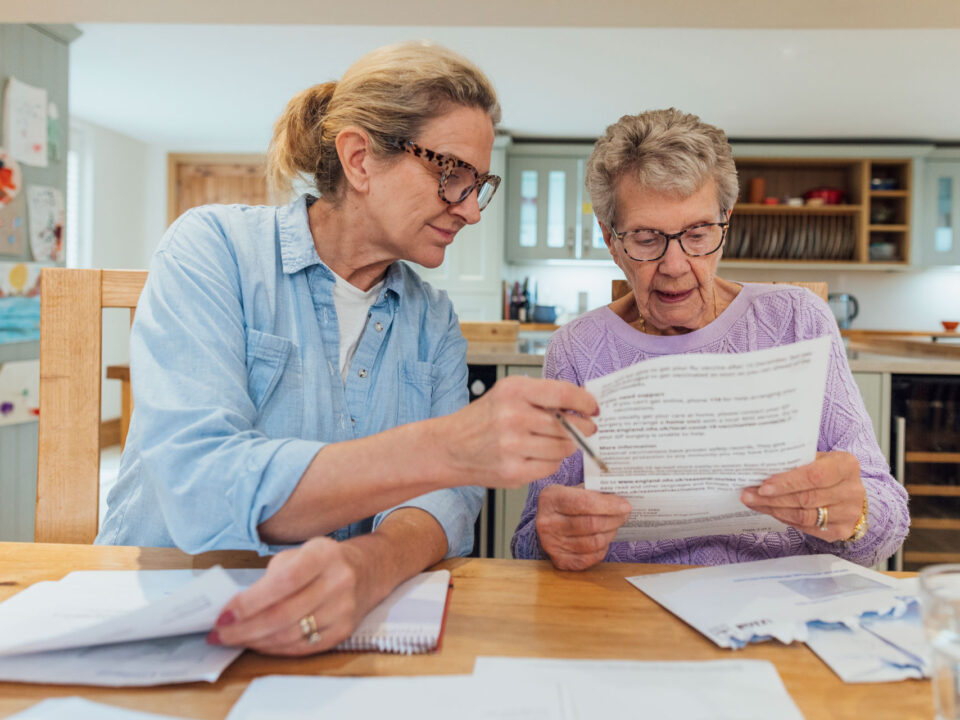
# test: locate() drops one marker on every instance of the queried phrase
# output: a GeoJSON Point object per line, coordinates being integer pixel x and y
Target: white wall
{"type": "Point", "coordinates": [898, 300]}
{"type": "Point", "coordinates": [119, 189]}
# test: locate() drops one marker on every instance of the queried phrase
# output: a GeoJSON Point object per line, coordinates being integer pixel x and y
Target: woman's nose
{"type": "Point", "coordinates": [468, 208]}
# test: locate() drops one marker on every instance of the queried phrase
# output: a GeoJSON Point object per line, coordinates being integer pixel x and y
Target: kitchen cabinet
{"type": "Point", "coordinates": [868, 223]}
{"type": "Point", "coordinates": [472, 269]}
{"type": "Point", "coordinates": [940, 241]}
{"type": "Point", "coordinates": [549, 215]}
{"type": "Point", "coordinates": [875, 391]}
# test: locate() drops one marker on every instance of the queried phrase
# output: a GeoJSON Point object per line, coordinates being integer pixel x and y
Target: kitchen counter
{"type": "Point", "coordinates": [529, 351]}
{"type": "Point", "coordinates": [899, 365]}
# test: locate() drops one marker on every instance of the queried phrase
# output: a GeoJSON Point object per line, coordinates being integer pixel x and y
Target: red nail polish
{"type": "Point", "coordinates": [213, 638]}
{"type": "Point", "coordinates": [597, 411]}
{"type": "Point", "coordinates": [226, 618]}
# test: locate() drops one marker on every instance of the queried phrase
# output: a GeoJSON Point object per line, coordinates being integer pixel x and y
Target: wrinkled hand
{"type": "Point", "coordinates": [576, 525]}
{"type": "Point", "coordinates": [510, 436]}
{"type": "Point", "coordinates": [322, 578]}
{"type": "Point", "coordinates": [831, 481]}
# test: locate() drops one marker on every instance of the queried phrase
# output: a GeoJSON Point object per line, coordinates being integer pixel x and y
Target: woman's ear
{"type": "Point", "coordinates": [354, 150]}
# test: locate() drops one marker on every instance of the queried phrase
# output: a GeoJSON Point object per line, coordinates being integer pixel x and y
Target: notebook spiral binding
{"type": "Point", "coordinates": [410, 644]}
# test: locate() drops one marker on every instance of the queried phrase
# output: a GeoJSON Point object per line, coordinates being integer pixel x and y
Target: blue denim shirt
{"type": "Point", "coordinates": [234, 358]}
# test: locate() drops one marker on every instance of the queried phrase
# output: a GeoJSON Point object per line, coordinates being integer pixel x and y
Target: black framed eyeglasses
{"type": "Point", "coordinates": [647, 244]}
{"type": "Point", "coordinates": [457, 178]}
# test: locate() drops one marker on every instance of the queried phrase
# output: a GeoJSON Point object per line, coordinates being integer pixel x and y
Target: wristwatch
{"type": "Point", "coordinates": [860, 529]}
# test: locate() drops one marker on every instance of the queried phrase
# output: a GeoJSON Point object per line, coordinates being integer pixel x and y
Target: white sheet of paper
{"type": "Point", "coordinates": [684, 434]}
{"type": "Point", "coordinates": [25, 122]}
{"type": "Point", "coordinates": [142, 663]}
{"type": "Point", "coordinates": [110, 607]}
{"type": "Point", "coordinates": [716, 689]}
{"type": "Point", "coordinates": [744, 602]}
{"type": "Point", "coordinates": [77, 708]}
{"type": "Point", "coordinates": [283, 697]}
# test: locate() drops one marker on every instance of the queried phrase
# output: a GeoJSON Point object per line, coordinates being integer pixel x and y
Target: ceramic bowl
{"type": "Point", "coordinates": [949, 325]}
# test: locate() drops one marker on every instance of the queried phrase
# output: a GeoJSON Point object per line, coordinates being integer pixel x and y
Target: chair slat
{"type": "Point", "coordinates": [68, 467]}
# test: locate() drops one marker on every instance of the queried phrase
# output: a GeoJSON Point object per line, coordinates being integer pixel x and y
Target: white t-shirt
{"type": "Point", "coordinates": [352, 305]}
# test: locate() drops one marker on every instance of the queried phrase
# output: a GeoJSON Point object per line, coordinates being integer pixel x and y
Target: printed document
{"type": "Point", "coordinates": [682, 435]}
{"type": "Point", "coordinates": [746, 602]}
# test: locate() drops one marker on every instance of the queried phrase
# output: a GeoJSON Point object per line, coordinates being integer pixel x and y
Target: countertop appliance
{"type": "Point", "coordinates": [845, 308]}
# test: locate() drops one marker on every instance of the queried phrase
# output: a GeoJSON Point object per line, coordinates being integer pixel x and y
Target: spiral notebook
{"type": "Point", "coordinates": [408, 621]}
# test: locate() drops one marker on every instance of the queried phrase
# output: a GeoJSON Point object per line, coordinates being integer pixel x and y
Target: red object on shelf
{"type": "Point", "coordinates": [771, 201]}
{"type": "Point", "coordinates": [830, 196]}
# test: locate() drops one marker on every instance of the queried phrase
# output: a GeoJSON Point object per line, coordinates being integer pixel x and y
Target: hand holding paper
{"type": "Point", "coordinates": [831, 481]}
{"type": "Point", "coordinates": [576, 525]}
{"type": "Point", "coordinates": [683, 435]}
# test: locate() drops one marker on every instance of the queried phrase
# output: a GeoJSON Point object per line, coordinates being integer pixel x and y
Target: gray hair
{"type": "Point", "coordinates": [665, 150]}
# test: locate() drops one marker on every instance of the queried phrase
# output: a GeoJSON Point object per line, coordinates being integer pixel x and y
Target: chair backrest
{"type": "Point", "coordinates": [71, 343]}
{"type": "Point", "coordinates": [619, 288]}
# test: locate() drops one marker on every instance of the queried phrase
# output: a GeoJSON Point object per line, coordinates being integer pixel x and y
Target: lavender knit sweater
{"type": "Point", "coordinates": [761, 316]}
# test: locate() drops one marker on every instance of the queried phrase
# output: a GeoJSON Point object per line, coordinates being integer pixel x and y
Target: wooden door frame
{"type": "Point", "coordinates": [174, 159]}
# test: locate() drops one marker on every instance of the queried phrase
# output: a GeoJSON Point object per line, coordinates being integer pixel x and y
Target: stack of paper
{"type": "Point", "coordinates": [862, 623]}
{"type": "Point", "coordinates": [118, 628]}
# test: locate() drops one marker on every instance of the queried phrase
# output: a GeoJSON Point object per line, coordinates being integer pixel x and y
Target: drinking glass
{"type": "Point", "coordinates": [940, 607]}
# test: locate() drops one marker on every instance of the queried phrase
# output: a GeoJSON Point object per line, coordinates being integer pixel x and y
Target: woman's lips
{"type": "Point", "coordinates": [447, 235]}
{"type": "Point", "coordinates": [673, 297]}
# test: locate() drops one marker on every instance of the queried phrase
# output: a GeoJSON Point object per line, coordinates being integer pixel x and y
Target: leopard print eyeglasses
{"type": "Point", "coordinates": [457, 178]}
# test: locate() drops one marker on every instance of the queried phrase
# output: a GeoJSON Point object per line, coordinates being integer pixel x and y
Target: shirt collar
{"type": "Point", "coordinates": [297, 250]}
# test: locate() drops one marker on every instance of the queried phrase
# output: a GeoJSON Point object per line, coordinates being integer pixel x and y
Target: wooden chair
{"type": "Point", "coordinates": [71, 343]}
{"type": "Point", "coordinates": [619, 288]}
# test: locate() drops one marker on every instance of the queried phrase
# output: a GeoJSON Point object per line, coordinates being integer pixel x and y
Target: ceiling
{"type": "Point", "coordinates": [218, 88]}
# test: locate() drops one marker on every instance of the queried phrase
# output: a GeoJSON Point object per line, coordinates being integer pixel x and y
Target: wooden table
{"type": "Point", "coordinates": [516, 608]}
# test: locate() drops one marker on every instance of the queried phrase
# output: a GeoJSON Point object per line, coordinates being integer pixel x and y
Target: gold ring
{"type": "Point", "coordinates": [822, 514]}
{"type": "Point", "coordinates": [309, 630]}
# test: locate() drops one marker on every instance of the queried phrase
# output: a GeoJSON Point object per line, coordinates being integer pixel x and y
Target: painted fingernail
{"type": "Point", "coordinates": [597, 411]}
{"type": "Point", "coordinates": [226, 618]}
{"type": "Point", "coordinates": [213, 638]}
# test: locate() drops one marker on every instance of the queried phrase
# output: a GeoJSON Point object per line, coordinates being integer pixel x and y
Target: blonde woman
{"type": "Point", "coordinates": [291, 373]}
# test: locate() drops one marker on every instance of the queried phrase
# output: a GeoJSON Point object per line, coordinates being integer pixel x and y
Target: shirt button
{"type": "Point", "coordinates": [362, 373]}
{"type": "Point", "coordinates": [379, 327]}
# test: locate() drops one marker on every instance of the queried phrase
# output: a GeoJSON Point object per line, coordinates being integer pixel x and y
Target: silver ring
{"type": "Point", "coordinates": [309, 630]}
{"type": "Point", "coordinates": [822, 514]}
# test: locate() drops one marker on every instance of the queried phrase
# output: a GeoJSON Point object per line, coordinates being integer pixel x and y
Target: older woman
{"type": "Point", "coordinates": [663, 184]}
{"type": "Point", "coordinates": [290, 373]}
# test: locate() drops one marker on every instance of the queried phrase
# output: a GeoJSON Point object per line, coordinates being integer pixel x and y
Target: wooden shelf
{"type": "Point", "coordinates": [922, 523]}
{"type": "Point", "coordinates": [932, 457]}
{"type": "Point", "coordinates": [764, 209]}
{"type": "Point", "coordinates": [889, 193]}
{"type": "Point", "coordinates": [934, 490]}
{"type": "Point", "coordinates": [889, 228]}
